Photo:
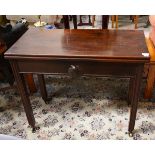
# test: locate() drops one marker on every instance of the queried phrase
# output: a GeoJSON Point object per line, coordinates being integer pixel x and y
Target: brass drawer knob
{"type": "Point", "coordinates": [74, 71]}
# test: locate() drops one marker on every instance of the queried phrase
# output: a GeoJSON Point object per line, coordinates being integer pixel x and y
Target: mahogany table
{"type": "Point", "coordinates": [119, 53]}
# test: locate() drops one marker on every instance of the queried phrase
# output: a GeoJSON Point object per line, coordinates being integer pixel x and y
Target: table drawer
{"type": "Point", "coordinates": [77, 67]}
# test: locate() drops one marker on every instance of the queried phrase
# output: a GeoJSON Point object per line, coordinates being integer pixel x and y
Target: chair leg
{"type": "Point", "coordinates": [89, 19]}
{"type": "Point", "coordinates": [116, 20]}
{"type": "Point", "coordinates": [105, 21]}
{"type": "Point", "coordinates": [113, 20]}
{"type": "Point", "coordinates": [136, 21]}
{"type": "Point", "coordinates": [31, 83]}
{"type": "Point", "coordinates": [74, 21]}
{"type": "Point", "coordinates": [93, 20]}
{"type": "Point", "coordinates": [66, 21]}
{"type": "Point", "coordinates": [150, 82]}
{"type": "Point", "coordinates": [80, 24]}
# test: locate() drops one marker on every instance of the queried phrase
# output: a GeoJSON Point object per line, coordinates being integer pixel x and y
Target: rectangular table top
{"type": "Point", "coordinates": [84, 44]}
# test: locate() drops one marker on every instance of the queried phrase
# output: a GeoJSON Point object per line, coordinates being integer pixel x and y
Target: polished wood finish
{"type": "Point", "coordinates": [23, 92]}
{"type": "Point", "coordinates": [151, 71]}
{"type": "Point", "coordinates": [85, 44]}
{"type": "Point", "coordinates": [79, 53]}
{"type": "Point", "coordinates": [136, 80]}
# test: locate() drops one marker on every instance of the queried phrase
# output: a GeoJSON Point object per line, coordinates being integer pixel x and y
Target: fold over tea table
{"type": "Point", "coordinates": [121, 53]}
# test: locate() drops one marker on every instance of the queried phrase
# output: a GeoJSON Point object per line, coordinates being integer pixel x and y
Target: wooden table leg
{"type": "Point", "coordinates": [31, 83]}
{"type": "Point", "coordinates": [134, 99]}
{"type": "Point", "coordinates": [150, 82]}
{"type": "Point", "coordinates": [130, 92]}
{"type": "Point", "coordinates": [24, 96]}
{"type": "Point", "coordinates": [42, 86]}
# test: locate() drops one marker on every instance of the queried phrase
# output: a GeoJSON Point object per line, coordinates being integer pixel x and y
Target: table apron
{"type": "Point", "coordinates": [85, 67]}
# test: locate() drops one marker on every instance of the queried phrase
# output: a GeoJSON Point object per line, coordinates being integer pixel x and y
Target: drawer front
{"type": "Point", "coordinates": [77, 67]}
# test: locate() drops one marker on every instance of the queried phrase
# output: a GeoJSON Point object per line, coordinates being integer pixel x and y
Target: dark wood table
{"type": "Point", "coordinates": [119, 53]}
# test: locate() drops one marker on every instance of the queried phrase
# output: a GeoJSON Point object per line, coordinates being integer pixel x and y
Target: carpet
{"type": "Point", "coordinates": [85, 108]}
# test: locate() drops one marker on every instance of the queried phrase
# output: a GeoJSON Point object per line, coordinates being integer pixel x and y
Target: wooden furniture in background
{"type": "Point", "coordinates": [105, 21]}
{"type": "Point", "coordinates": [135, 17]}
{"type": "Point", "coordinates": [68, 52]}
{"type": "Point", "coordinates": [93, 21]}
{"type": "Point", "coordinates": [151, 71]}
{"type": "Point", "coordinates": [66, 22]}
{"type": "Point", "coordinates": [89, 23]}
{"type": "Point", "coordinates": [114, 19]}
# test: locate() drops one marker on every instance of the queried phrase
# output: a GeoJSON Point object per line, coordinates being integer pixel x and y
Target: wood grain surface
{"type": "Point", "coordinates": [98, 44]}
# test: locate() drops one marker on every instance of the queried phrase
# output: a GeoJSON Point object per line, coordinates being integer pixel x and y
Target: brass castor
{"type": "Point", "coordinates": [34, 129]}
{"type": "Point", "coordinates": [130, 134]}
